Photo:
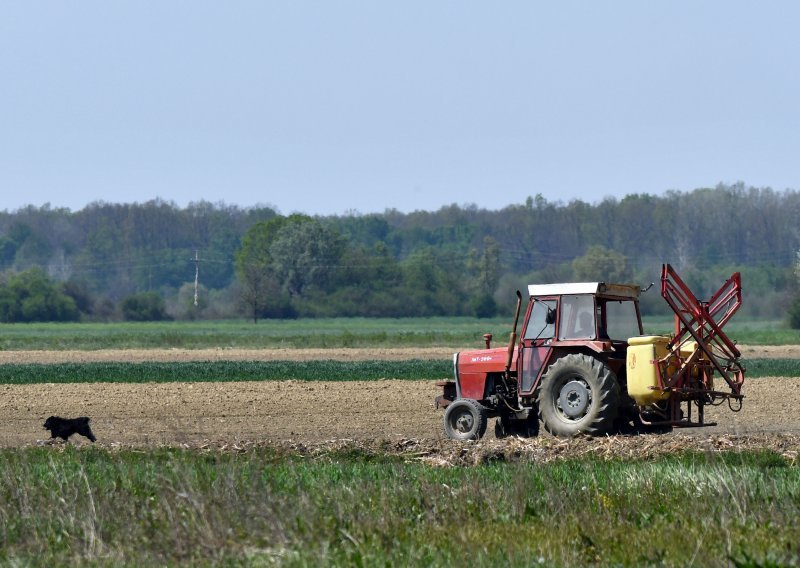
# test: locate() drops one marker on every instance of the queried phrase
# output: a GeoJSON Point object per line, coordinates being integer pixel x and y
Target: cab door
{"type": "Point", "coordinates": [536, 339]}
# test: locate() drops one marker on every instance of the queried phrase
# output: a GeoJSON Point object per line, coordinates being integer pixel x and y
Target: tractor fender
{"type": "Point", "coordinates": [597, 346]}
{"type": "Point", "coordinates": [559, 352]}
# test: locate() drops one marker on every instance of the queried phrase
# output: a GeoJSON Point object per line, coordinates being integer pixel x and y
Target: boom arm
{"type": "Point", "coordinates": [703, 322]}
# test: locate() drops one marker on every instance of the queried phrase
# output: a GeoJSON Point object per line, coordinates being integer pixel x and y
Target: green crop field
{"type": "Point", "coordinates": [321, 370]}
{"type": "Point", "coordinates": [317, 333]}
{"type": "Point", "coordinates": [272, 506]}
{"type": "Point", "coordinates": [224, 371]}
{"type": "Point", "coordinates": [743, 330]}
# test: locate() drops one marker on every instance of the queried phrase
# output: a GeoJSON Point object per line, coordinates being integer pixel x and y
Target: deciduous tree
{"type": "Point", "coordinates": [601, 264]}
{"type": "Point", "coordinates": [305, 253]}
{"type": "Point", "coordinates": [31, 296]}
{"type": "Point", "coordinates": [254, 266]}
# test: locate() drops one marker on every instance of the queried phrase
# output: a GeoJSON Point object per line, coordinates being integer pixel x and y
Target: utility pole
{"type": "Point", "coordinates": [196, 260]}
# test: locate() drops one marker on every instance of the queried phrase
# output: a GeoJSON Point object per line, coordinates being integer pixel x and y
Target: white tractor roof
{"type": "Point", "coordinates": [597, 288]}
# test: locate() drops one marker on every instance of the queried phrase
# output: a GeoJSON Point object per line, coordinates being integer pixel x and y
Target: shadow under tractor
{"type": "Point", "coordinates": [582, 364]}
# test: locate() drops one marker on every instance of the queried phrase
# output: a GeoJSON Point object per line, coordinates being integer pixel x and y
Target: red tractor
{"type": "Point", "coordinates": [582, 364]}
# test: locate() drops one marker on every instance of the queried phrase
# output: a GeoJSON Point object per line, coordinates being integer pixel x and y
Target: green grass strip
{"type": "Point", "coordinates": [455, 332]}
{"type": "Point", "coordinates": [305, 333]}
{"type": "Point", "coordinates": [224, 371]}
{"type": "Point", "coordinates": [320, 370]}
{"type": "Point", "coordinates": [772, 368]}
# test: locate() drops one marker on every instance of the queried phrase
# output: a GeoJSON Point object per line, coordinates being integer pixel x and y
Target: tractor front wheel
{"type": "Point", "coordinates": [465, 419]}
{"type": "Point", "coordinates": [578, 394]}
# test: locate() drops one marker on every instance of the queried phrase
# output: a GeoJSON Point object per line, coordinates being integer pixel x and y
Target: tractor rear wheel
{"type": "Point", "coordinates": [578, 394]}
{"type": "Point", "coordinates": [465, 419]}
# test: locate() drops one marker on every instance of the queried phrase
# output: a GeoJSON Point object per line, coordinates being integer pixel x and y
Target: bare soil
{"type": "Point", "coordinates": [280, 412]}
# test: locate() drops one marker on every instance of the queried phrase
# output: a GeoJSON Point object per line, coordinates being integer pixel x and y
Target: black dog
{"type": "Point", "coordinates": [66, 427]}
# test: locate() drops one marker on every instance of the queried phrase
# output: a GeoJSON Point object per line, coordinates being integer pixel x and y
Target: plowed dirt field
{"type": "Point", "coordinates": [244, 413]}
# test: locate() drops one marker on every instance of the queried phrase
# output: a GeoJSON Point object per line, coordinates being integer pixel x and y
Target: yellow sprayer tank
{"type": "Point", "coordinates": [643, 354]}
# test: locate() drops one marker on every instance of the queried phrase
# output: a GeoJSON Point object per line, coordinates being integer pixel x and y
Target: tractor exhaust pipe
{"type": "Point", "coordinates": [513, 339]}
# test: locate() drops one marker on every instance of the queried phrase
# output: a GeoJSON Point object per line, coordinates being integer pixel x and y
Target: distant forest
{"type": "Point", "coordinates": [140, 261]}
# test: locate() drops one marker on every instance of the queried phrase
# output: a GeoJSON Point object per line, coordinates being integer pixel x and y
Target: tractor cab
{"type": "Point", "coordinates": [583, 312]}
{"type": "Point", "coordinates": [592, 316]}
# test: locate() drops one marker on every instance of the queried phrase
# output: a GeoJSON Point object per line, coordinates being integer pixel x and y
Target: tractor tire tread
{"type": "Point", "coordinates": [480, 417]}
{"type": "Point", "coordinates": [605, 391]}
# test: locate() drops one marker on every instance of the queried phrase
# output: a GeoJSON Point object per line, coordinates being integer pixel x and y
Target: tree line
{"type": "Point", "coordinates": [138, 261]}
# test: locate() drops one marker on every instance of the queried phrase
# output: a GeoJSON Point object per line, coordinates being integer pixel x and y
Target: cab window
{"type": "Point", "coordinates": [540, 326]}
{"type": "Point", "coordinates": [622, 319]}
{"type": "Point", "coordinates": [577, 318]}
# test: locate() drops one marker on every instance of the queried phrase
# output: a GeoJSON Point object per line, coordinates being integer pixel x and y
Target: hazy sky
{"type": "Point", "coordinates": [331, 106]}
